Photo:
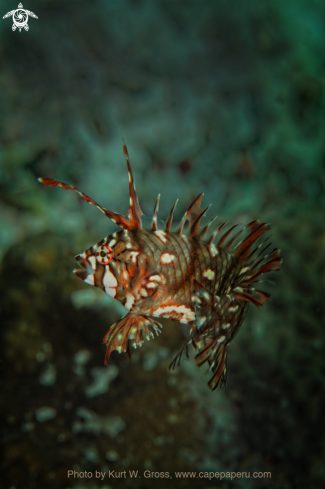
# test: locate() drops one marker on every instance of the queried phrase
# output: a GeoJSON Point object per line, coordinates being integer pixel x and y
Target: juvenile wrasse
{"type": "Point", "coordinates": [206, 283]}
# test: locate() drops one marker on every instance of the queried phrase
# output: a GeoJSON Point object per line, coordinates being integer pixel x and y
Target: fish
{"type": "Point", "coordinates": [204, 282]}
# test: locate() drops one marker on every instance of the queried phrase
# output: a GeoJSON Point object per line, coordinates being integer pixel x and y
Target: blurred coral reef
{"type": "Point", "coordinates": [221, 97]}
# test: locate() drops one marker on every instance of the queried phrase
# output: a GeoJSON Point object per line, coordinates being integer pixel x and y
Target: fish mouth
{"type": "Point", "coordinates": [86, 272]}
{"type": "Point", "coordinates": [82, 261]}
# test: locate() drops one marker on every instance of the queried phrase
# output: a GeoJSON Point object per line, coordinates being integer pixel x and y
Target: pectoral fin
{"type": "Point", "coordinates": [215, 353]}
{"type": "Point", "coordinates": [131, 329]}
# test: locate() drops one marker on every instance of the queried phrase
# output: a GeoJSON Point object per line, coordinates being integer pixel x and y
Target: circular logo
{"type": "Point", "coordinates": [20, 18]}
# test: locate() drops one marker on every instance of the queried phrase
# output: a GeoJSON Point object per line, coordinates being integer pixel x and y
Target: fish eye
{"type": "Point", "coordinates": [104, 254]}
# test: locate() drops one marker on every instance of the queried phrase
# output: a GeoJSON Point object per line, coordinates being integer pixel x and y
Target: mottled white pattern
{"type": "Point", "coordinates": [233, 308]}
{"type": "Point", "coordinates": [188, 314]}
{"type": "Point", "coordinates": [209, 274]}
{"type": "Point", "coordinates": [129, 301]}
{"type": "Point", "coordinates": [243, 270]}
{"type": "Point", "coordinates": [90, 279]}
{"type": "Point", "coordinates": [167, 258]}
{"type": "Point", "coordinates": [109, 282]}
{"type": "Point", "coordinates": [151, 285]}
{"type": "Point", "coordinates": [143, 292]}
{"type": "Point", "coordinates": [201, 321]}
{"type": "Point", "coordinates": [196, 299]}
{"type": "Point", "coordinates": [156, 278]}
{"type": "Point", "coordinates": [161, 235]}
{"type": "Point", "coordinates": [133, 255]}
{"type": "Point", "coordinates": [112, 243]}
{"type": "Point", "coordinates": [93, 262]}
{"type": "Point", "coordinates": [213, 250]}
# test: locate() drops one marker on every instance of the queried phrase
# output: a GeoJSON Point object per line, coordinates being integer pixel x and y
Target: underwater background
{"type": "Point", "coordinates": [220, 97]}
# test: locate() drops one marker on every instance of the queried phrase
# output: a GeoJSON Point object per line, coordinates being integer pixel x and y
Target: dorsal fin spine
{"type": "Point", "coordinates": [217, 231]}
{"type": "Point", "coordinates": [195, 228]}
{"type": "Point", "coordinates": [155, 212]}
{"type": "Point", "coordinates": [191, 214]}
{"type": "Point", "coordinates": [169, 221]}
{"type": "Point", "coordinates": [134, 212]}
{"type": "Point", "coordinates": [229, 245]}
{"type": "Point", "coordinates": [225, 236]}
{"type": "Point", "coordinates": [204, 230]}
{"type": "Point", "coordinates": [113, 216]}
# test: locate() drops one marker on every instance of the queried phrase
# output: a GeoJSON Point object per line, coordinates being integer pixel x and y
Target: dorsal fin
{"type": "Point", "coordinates": [117, 218]}
{"type": "Point", "coordinates": [204, 230]}
{"type": "Point", "coordinates": [154, 219]}
{"type": "Point", "coordinates": [230, 243]}
{"type": "Point", "coordinates": [134, 211]}
{"type": "Point", "coordinates": [255, 230]}
{"type": "Point", "coordinates": [225, 236]}
{"type": "Point", "coordinates": [217, 231]}
{"type": "Point", "coordinates": [169, 221]}
{"type": "Point", "coordinates": [191, 214]}
{"type": "Point", "coordinates": [195, 228]}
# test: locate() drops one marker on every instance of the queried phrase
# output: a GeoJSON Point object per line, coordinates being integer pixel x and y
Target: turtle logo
{"type": "Point", "coordinates": [20, 18]}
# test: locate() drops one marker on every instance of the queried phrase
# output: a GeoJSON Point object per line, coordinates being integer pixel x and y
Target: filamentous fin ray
{"type": "Point", "coordinates": [134, 212]}
{"type": "Point", "coordinates": [195, 228]}
{"type": "Point", "coordinates": [154, 225]}
{"type": "Point", "coordinates": [113, 216]}
{"type": "Point", "coordinates": [177, 359]}
{"type": "Point", "coordinates": [257, 263]}
{"type": "Point", "coordinates": [205, 229]}
{"type": "Point", "coordinates": [225, 236]}
{"type": "Point", "coordinates": [191, 214]}
{"type": "Point", "coordinates": [216, 232]}
{"type": "Point", "coordinates": [256, 229]}
{"type": "Point", "coordinates": [255, 250]}
{"type": "Point", "coordinates": [179, 276]}
{"type": "Point", "coordinates": [231, 242]}
{"type": "Point", "coordinates": [214, 353]}
{"type": "Point", "coordinates": [132, 328]}
{"type": "Point", "coordinates": [169, 221]}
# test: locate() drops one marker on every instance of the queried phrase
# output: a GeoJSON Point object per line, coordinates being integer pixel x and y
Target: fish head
{"type": "Point", "coordinates": [111, 264]}
{"type": "Point", "coordinates": [114, 264]}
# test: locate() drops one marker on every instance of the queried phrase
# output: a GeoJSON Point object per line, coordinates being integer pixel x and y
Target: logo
{"type": "Point", "coordinates": [20, 18]}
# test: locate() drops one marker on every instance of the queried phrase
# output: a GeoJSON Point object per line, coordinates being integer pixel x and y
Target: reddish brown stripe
{"type": "Point", "coordinates": [148, 237]}
{"type": "Point", "coordinates": [188, 268]}
{"type": "Point", "coordinates": [177, 253]}
{"type": "Point", "coordinates": [190, 253]}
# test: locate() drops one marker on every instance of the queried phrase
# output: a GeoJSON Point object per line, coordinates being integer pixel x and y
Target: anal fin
{"type": "Point", "coordinates": [131, 329]}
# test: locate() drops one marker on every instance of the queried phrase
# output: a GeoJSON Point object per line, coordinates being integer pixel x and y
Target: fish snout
{"type": "Point", "coordinates": [88, 268]}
